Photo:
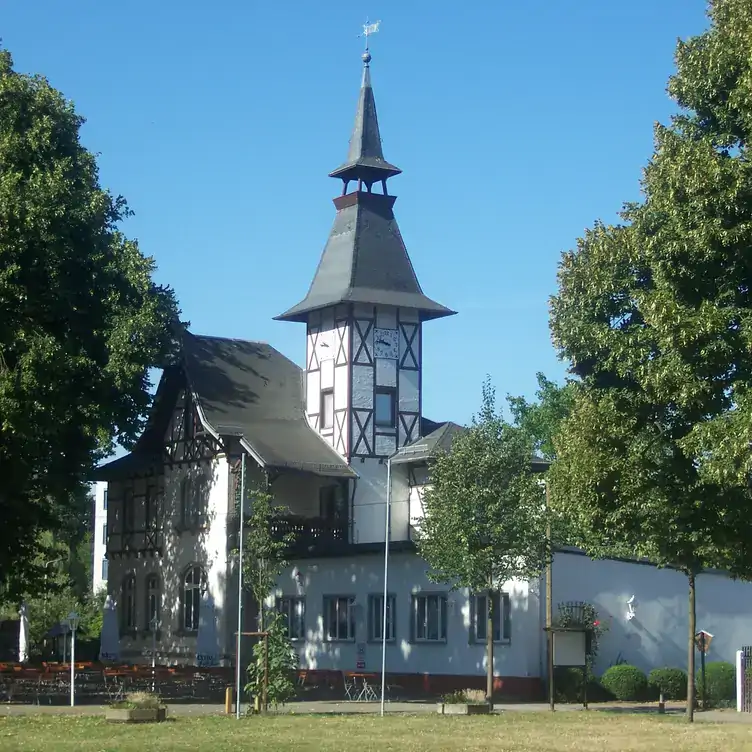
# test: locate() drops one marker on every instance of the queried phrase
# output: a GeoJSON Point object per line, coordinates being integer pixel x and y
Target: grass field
{"type": "Point", "coordinates": [512, 732]}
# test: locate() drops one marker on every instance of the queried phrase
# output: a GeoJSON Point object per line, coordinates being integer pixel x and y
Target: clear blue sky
{"type": "Point", "coordinates": [516, 125]}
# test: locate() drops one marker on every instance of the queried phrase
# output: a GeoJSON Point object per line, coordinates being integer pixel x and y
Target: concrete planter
{"type": "Point", "coordinates": [135, 715]}
{"type": "Point", "coordinates": [462, 708]}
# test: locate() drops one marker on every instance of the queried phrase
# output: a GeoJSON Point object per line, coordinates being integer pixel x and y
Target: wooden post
{"type": "Point", "coordinates": [549, 604]}
{"type": "Point", "coordinates": [266, 672]}
{"type": "Point", "coordinates": [228, 700]}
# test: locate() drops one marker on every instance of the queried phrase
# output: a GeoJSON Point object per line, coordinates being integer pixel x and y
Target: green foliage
{"type": "Point", "coordinates": [626, 683]}
{"type": "Point", "coordinates": [81, 320]}
{"type": "Point", "coordinates": [465, 697]}
{"type": "Point", "coordinates": [541, 420]}
{"type": "Point", "coordinates": [583, 615]}
{"type": "Point", "coordinates": [263, 551]}
{"type": "Point", "coordinates": [283, 664]}
{"type": "Point", "coordinates": [720, 684]}
{"type": "Point", "coordinates": [655, 317]}
{"type": "Point", "coordinates": [672, 682]}
{"type": "Point", "coordinates": [484, 517]}
{"type": "Point", "coordinates": [568, 686]}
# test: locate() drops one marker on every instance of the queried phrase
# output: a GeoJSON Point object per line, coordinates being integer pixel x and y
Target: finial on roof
{"type": "Point", "coordinates": [365, 159]}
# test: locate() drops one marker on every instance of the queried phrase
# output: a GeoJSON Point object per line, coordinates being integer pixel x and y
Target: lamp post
{"type": "Point", "coordinates": [240, 586]}
{"type": "Point", "coordinates": [73, 624]}
{"type": "Point", "coordinates": [154, 626]}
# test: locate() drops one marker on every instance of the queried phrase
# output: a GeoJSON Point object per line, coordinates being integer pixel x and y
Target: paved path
{"type": "Point", "coordinates": [412, 708]}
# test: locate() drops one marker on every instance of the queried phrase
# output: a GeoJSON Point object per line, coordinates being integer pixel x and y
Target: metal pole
{"type": "Point", "coordinates": [386, 578]}
{"type": "Point", "coordinates": [549, 603]}
{"type": "Point", "coordinates": [154, 654]}
{"type": "Point", "coordinates": [240, 586]}
{"type": "Point", "coordinates": [73, 668]}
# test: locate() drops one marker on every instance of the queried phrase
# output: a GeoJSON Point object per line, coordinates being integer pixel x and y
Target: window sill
{"type": "Point", "coordinates": [337, 639]}
{"type": "Point", "coordinates": [476, 641]}
{"type": "Point", "coordinates": [442, 641]}
{"type": "Point", "coordinates": [379, 641]}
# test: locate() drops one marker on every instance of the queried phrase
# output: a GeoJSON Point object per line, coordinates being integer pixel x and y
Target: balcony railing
{"type": "Point", "coordinates": [307, 535]}
{"type": "Point", "coordinates": [135, 543]}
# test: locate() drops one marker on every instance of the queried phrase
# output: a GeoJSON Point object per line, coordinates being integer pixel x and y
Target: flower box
{"type": "Point", "coordinates": [463, 708]}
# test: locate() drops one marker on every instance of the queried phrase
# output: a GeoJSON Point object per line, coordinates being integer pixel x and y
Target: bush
{"type": "Point", "coordinates": [720, 682]}
{"type": "Point", "coordinates": [671, 681]}
{"type": "Point", "coordinates": [568, 686]}
{"type": "Point", "coordinates": [626, 683]}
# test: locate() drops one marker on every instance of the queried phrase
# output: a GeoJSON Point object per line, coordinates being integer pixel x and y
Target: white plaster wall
{"type": "Point", "coordinates": [206, 547]}
{"type": "Point", "coordinates": [362, 387]}
{"type": "Point", "coordinates": [416, 505]}
{"type": "Point", "coordinates": [657, 635]}
{"type": "Point", "coordinates": [386, 317]}
{"type": "Point", "coordinates": [99, 580]}
{"type": "Point", "coordinates": [363, 576]}
{"type": "Point", "coordinates": [369, 502]}
{"type": "Point", "coordinates": [409, 391]}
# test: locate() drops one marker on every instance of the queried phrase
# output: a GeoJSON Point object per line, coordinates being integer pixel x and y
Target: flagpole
{"type": "Point", "coordinates": [386, 578]}
{"type": "Point", "coordinates": [240, 586]}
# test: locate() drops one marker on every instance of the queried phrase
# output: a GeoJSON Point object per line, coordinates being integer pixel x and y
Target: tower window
{"type": "Point", "coordinates": [385, 414]}
{"type": "Point", "coordinates": [327, 409]}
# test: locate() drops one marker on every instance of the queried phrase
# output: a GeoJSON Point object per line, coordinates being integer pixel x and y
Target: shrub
{"type": "Point", "coordinates": [465, 697]}
{"type": "Point", "coordinates": [671, 681]}
{"type": "Point", "coordinates": [720, 682]}
{"type": "Point", "coordinates": [568, 686]}
{"type": "Point", "coordinates": [625, 683]}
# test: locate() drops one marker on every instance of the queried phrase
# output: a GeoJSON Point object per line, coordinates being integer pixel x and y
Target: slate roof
{"type": "Point", "coordinates": [246, 390]}
{"type": "Point", "coordinates": [365, 261]}
{"type": "Point", "coordinates": [440, 440]}
{"type": "Point", "coordinates": [365, 157]}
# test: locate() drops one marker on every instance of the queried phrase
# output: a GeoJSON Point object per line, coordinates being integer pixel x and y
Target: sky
{"type": "Point", "coordinates": [517, 126]}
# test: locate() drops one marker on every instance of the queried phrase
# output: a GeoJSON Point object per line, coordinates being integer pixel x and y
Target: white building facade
{"type": "Point", "coordinates": [100, 563]}
{"type": "Point", "coordinates": [321, 438]}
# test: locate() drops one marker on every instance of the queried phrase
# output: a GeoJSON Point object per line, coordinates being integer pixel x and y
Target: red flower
{"type": "Point", "coordinates": [596, 623]}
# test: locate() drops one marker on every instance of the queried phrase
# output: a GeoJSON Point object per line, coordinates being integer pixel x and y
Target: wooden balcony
{"type": "Point", "coordinates": [308, 536]}
{"type": "Point", "coordinates": [135, 543]}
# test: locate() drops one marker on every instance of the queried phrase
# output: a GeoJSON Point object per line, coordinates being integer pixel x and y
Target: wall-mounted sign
{"type": "Point", "coordinates": [360, 665]}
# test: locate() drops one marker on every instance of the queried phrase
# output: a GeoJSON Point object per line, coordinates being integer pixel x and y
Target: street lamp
{"type": "Point", "coordinates": [73, 624]}
{"type": "Point", "coordinates": [154, 626]}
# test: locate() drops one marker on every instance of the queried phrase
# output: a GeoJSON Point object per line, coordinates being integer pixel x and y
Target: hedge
{"type": "Point", "coordinates": [720, 678]}
{"type": "Point", "coordinates": [625, 682]}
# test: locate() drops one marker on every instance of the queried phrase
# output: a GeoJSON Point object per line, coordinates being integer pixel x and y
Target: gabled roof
{"type": "Point", "coordinates": [247, 390]}
{"type": "Point", "coordinates": [365, 261]}
{"type": "Point", "coordinates": [440, 440]}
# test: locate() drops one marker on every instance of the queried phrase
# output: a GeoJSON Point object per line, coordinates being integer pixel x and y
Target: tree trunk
{"type": "Point", "coordinates": [691, 653]}
{"type": "Point", "coordinates": [490, 651]}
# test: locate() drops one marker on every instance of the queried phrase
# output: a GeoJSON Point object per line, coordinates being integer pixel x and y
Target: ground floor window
{"type": "Point", "coordinates": [194, 582]}
{"type": "Point", "coordinates": [376, 617]}
{"type": "Point", "coordinates": [502, 627]}
{"type": "Point", "coordinates": [293, 612]}
{"type": "Point", "coordinates": [339, 617]}
{"type": "Point", "coordinates": [429, 622]}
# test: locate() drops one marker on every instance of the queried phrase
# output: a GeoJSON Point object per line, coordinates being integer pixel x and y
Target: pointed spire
{"type": "Point", "coordinates": [365, 159]}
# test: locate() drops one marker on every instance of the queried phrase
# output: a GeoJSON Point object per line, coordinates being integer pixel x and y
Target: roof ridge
{"type": "Point", "coordinates": [233, 339]}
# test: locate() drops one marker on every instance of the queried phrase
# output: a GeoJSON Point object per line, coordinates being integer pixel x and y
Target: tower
{"type": "Point", "coordinates": [364, 310]}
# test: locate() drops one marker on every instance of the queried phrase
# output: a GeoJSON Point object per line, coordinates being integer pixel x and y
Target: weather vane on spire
{"type": "Point", "coordinates": [368, 29]}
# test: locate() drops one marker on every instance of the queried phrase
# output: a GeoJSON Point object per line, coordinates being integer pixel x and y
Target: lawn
{"type": "Point", "coordinates": [512, 732]}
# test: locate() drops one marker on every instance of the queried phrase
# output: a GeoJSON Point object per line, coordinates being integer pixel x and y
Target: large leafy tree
{"type": "Point", "coordinates": [655, 316]}
{"type": "Point", "coordinates": [541, 419]}
{"type": "Point", "coordinates": [484, 516]}
{"type": "Point", "coordinates": [81, 320]}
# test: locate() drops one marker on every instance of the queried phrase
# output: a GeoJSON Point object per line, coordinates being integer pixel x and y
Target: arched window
{"type": "Point", "coordinates": [153, 602]}
{"type": "Point", "coordinates": [194, 584]}
{"type": "Point", "coordinates": [128, 602]}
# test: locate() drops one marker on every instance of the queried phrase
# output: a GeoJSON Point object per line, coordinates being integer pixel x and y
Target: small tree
{"type": "Point", "coordinates": [484, 515]}
{"type": "Point", "coordinates": [279, 658]}
{"type": "Point", "coordinates": [264, 558]}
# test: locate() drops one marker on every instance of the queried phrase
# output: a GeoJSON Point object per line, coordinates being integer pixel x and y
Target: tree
{"type": "Point", "coordinates": [81, 320]}
{"type": "Point", "coordinates": [655, 317]}
{"type": "Point", "coordinates": [484, 516]}
{"type": "Point", "coordinates": [542, 419]}
{"type": "Point", "coordinates": [264, 559]}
